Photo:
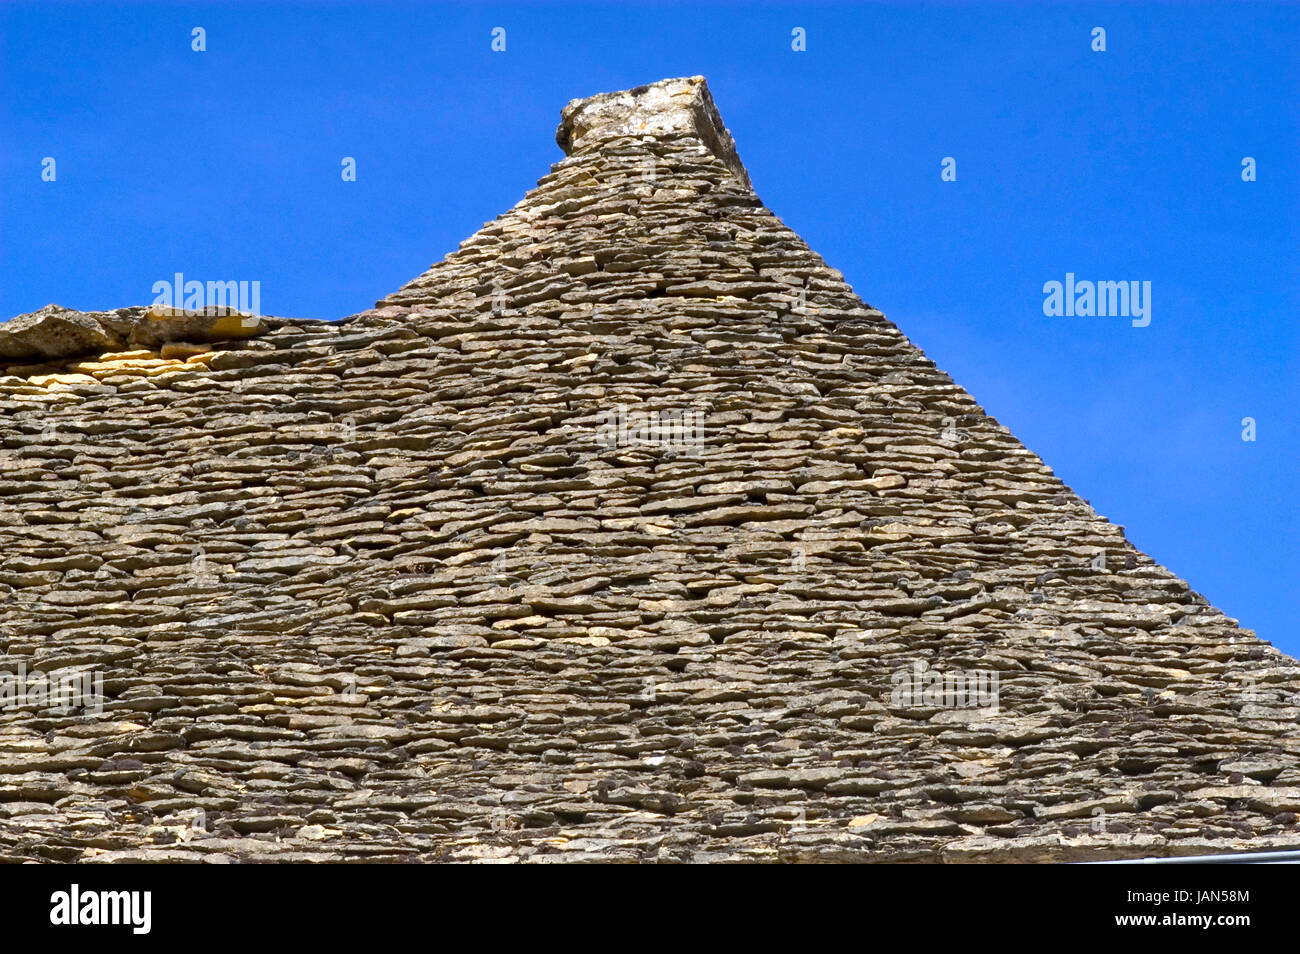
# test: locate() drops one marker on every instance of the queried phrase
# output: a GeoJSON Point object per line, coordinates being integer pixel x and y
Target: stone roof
{"type": "Point", "coordinates": [397, 587]}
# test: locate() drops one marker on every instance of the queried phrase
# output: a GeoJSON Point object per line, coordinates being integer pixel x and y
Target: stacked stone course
{"type": "Point", "coordinates": [376, 590]}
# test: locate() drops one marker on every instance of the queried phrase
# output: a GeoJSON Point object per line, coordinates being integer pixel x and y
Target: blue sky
{"type": "Point", "coordinates": [1115, 165]}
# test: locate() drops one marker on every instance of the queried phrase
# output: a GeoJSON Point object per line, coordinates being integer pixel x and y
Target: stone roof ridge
{"type": "Point", "coordinates": [681, 106]}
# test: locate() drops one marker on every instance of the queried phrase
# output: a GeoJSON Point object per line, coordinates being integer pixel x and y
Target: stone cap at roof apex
{"type": "Point", "coordinates": [668, 107]}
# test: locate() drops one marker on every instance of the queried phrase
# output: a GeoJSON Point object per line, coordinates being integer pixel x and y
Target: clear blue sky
{"type": "Point", "coordinates": [1117, 165]}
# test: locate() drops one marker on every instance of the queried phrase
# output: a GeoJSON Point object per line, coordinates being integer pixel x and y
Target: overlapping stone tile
{"type": "Point", "coordinates": [380, 590]}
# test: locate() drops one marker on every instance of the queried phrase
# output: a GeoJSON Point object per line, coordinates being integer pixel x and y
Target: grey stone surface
{"type": "Point", "coordinates": [379, 590]}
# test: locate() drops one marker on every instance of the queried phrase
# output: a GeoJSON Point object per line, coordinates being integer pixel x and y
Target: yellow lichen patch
{"type": "Point", "coordinates": [166, 367]}
{"type": "Point", "coordinates": [136, 365]}
{"type": "Point", "coordinates": [234, 326]}
{"type": "Point", "coordinates": [174, 356]}
{"type": "Point", "coordinates": [183, 350]}
{"type": "Point", "coordinates": [119, 367]}
{"type": "Point", "coordinates": [204, 359]}
{"type": "Point", "coordinates": [66, 380]}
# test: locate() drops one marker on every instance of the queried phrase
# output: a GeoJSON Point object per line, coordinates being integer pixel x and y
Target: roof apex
{"type": "Point", "coordinates": [676, 106]}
